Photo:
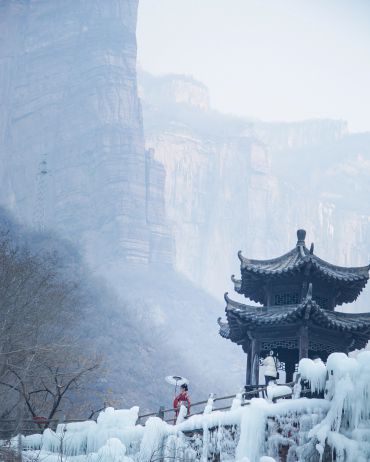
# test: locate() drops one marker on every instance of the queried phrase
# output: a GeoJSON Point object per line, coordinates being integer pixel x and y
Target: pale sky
{"type": "Point", "coordinates": [270, 59]}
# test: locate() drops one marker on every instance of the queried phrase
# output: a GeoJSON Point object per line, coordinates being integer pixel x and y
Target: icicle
{"type": "Point", "coordinates": [314, 372]}
{"type": "Point", "coordinates": [113, 450]}
{"type": "Point", "coordinates": [252, 430]}
{"type": "Point", "coordinates": [152, 442]}
{"type": "Point", "coordinates": [237, 401]}
{"type": "Point", "coordinates": [209, 406]}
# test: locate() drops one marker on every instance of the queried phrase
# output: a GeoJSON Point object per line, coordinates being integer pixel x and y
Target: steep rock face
{"type": "Point", "coordinates": [72, 147]}
{"type": "Point", "coordinates": [326, 190]}
{"type": "Point", "coordinates": [316, 132]}
{"type": "Point", "coordinates": [174, 88]}
{"type": "Point", "coordinates": [240, 184]}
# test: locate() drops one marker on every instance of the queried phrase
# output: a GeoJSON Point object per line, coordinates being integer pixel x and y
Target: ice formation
{"type": "Point", "coordinates": [277, 391]}
{"type": "Point", "coordinates": [336, 426]}
{"type": "Point", "coordinates": [314, 372]}
{"type": "Point", "coordinates": [346, 427]}
{"type": "Point", "coordinates": [209, 406]}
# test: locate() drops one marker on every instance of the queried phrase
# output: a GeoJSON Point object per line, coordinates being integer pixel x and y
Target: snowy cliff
{"type": "Point", "coordinates": [72, 146]}
{"type": "Point", "coordinates": [244, 184]}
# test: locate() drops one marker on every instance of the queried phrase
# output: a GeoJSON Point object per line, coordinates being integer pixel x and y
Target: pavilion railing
{"type": "Point", "coordinates": [168, 415]}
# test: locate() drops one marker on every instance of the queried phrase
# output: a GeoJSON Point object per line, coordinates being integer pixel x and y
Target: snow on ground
{"type": "Point", "coordinates": [253, 431]}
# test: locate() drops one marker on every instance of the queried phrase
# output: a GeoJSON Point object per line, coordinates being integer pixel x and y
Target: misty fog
{"type": "Point", "coordinates": [148, 142]}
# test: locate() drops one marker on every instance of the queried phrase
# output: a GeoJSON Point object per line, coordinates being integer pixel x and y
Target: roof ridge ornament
{"type": "Point", "coordinates": [237, 283]}
{"type": "Point", "coordinates": [234, 279]}
{"type": "Point", "coordinates": [309, 292]}
{"type": "Point", "coordinates": [221, 323]}
{"type": "Point", "coordinates": [301, 236]}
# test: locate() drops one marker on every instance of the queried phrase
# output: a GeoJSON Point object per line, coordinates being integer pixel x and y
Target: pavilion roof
{"type": "Point", "coordinates": [242, 317]}
{"type": "Point", "coordinates": [255, 272]}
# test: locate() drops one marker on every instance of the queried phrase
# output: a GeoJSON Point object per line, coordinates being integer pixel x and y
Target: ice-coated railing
{"type": "Point", "coordinates": [11, 427]}
{"type": "Point", "coordinates": [253, 392]}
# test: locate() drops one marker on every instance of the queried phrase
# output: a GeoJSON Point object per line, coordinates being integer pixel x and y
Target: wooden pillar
{"type": "Point", "coordinates": [289, 371]}
{"type": "Point", "coordinates": [255, 361]}
{"type": "Point", "coordinates": [248, 372]}
{"type": "Point", "coordinates": [303, 342]}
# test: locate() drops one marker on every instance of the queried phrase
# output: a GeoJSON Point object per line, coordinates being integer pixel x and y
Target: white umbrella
{"type": "Point", "coordinates": [176, 380]}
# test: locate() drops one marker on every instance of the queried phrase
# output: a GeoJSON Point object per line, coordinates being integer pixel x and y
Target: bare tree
{"type": "Point", "coordinates": [55, 377]}
{"type": "Point", "coordinates": [40, 300]}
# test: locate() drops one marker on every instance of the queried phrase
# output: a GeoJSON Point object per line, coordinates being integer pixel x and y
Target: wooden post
{"type": "Point", "coordinates": [289, 371]}
{"type": "Point", "coordinates": [303, 342]}
{"type": "Point", "coordinates": [19, 425]}
{"type": "Point", "coordinates": [248, 372]}
{"type": "Point", "coordinates": [255, 360]}
{"type": "Point", "coordinates": [161, 412]}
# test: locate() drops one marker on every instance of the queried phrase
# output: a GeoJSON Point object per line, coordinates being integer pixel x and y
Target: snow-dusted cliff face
{"type": "Point", "coordinates": [239, 184]}
{"type": "Point", "coordinates": [72, 148]}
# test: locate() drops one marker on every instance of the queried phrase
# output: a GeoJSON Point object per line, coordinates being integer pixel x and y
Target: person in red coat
{"type": "Point", "coordinates": [182, 398]}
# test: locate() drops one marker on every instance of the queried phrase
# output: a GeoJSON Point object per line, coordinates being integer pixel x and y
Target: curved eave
{"type": "Point", "coordinates": [243, 317]}
{"type": "Point", "coordinates": [252, 262]}
{"type": "Point", "coordinates": [351, 273]}
{"type": "Point", "coordinates": [300, 256]}
{"type": "Point", "coordinates": [235, 330]}
{"type": "Point", "coordinates": [224, 330]}
{"type": "Point", "coordinates": [341, 274]}
{"type": "Point", "coordinates": [254, 279]}
{"type": "Point", "coordinates": [232, 305]}
{"type": "Point", "coordinates": [359, 343]}
{"type": "Point", "coordinates": [345, 322]}
{"type": "Point", "coordinates": [291, 259]}
{"type": "Point", "coordinates": [351, 292]}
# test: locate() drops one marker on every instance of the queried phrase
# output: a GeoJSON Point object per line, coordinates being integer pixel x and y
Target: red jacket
{"type": "Point", "coordinates": [182, 398]}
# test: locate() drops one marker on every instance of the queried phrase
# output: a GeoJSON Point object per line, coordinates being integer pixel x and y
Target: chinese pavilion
{"type": "Point", "coordinates": [298, 293]}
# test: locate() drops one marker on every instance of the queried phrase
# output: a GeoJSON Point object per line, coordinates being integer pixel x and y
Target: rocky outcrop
{"type": "Point", "coordinates": [174, 89]}
{"type": "Point", "coordinates": [72, 147]}
{"type": "Point", "coordinates": [293, 135]}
